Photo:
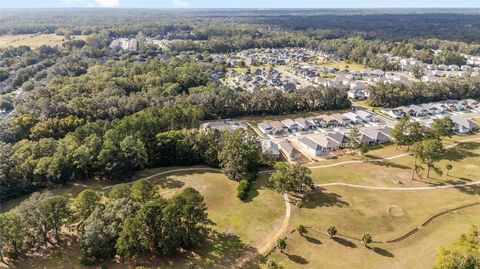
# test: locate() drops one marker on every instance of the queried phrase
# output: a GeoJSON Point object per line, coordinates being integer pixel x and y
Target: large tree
{"type": "Point", "coordinates": [462, 254]}
{"type": "Point", "coordinates": [441, 127]}
{"type": "Point", "coordinates": [239, 155]}
{"type": "Point", "coordinates": [292, 178]}
{"type": "Point", "coordinates": [429, 152]}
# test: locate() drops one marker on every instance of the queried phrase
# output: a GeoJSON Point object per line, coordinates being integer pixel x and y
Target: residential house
{"type": "Point", "coordinates": [463, 125]}
{"type": "Point", "coordinates": [366, 116]}
{"type": "Point", "coordinates": [304, 124]}
{"type": "Point", "coordinates": [278, 128]}
{"type": "Point", "coordinates": [342, 120]}
{"type": "Point", "coordinates": [287, 150]}
{"type": "Point", "coordinates": [373, 136]}
{"type": "Point", "coordinates": [312, 147]}
{"type": "Point", "coordinates": [291, 125]}
{"type": "Point", "coordinates": [265, 128]}
{"type": "Point", "coordinates": [339, 138]}
{"type": "Point", "coordinates": [271, 149]}
{"type": "Point", "coordinates": [327, 143]}
{"type": "Point", "coordinates": [354, 118]}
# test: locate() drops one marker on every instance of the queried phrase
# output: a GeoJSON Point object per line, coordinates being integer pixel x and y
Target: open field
{"type": "Point", "coordinates": [317, 250]}
{"type": "Point", "coordinates": [344, 65]}
{"type": "Point", "coordinates": [33, 41]}
{"type": "Point", "coordinates": [239, 227]}
{"type": "Point", "coordinates": [464, 158]}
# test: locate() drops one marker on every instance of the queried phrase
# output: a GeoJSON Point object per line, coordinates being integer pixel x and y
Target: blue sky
{"type": "Point", "coordinates": [240, 3]}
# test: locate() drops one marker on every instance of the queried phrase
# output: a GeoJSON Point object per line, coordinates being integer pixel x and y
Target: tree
{"type": "Point", "coordinates": [332, 231]}
{"type": "Point", "coordinates": [399, 132]}
{"type": "Point", "coordinates": [85, 203]}
{"type": "Point", "coordinates": [292, 178]}
{"type": "Point", "coordinates": [462, 254]}
{"type": "Point", "coordinates": [119, 191]}
{"type": "Point", "coordinates": [367, 239]}
{"type": "Point", "coordinates": [239, 155]}
{"type": "Point", "coordinates": [441, 127]}
{"type": "Point", "coordinates": [301, 230]}
{"type": "Point", "coordinates": [353, 142]}
{"type": "Point", "coordinates": [364, 148]}
{"type": "Point", "coordinates": [282, 244]}
{"type": "Point", "coordinates": [448, 167]}
{"type": "Point", "coordinates": [429, 152]}
{"type": "Point", "coordinates": [57, 212]}
{"type": "Point", "coordinates": [12, 235]}
{"type": "Point", "coordinates": [142, 191]}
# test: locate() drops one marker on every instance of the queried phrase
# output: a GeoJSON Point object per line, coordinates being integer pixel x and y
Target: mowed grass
{"type": "Point", "coordinates": [238, 227]}
{"type": "Point", "coordinates": [33, 40]}
{"type": "Point", "coordinates": [317, 250]}
{"type": "Point", "coordinates": [464, 158]}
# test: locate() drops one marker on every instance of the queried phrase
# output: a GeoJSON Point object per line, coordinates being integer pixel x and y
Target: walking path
{"type": "Point", "coordinates": [448, 186]}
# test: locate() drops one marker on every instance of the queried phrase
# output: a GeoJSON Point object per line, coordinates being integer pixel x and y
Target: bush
{"type": "Point", "coordinates": [242, 189]}
{"type": "Point", "coordinates": [250, 177]}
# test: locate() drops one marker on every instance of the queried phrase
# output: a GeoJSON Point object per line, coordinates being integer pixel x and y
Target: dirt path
{"type": "Point", "coordinates": [448, 186]}
{"type": "Point", "coordinates": [266, 247]}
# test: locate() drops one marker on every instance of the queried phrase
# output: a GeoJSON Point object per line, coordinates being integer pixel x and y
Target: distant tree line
{"type": "Point", "coordinates": [397, 94]}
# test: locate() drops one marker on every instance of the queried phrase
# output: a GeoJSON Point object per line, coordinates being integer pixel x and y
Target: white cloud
{"type": "Point", "coordinates": [107, 3]}
{"type": "Point", "coordinates": [93, 3]}
{"type": "Point", "coordinates": [180, 3]}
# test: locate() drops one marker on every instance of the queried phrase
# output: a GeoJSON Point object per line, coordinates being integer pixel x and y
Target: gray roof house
{"type": "Point", "coordinates": [270, 148]}
{"type": "Point", "coordinates": [312, 146]}
{"type": "Point", "coordinates": [287, 150]}
{"type": "Point", "coordinates": [366, 115]}
{"type": "Point", "coordinates": [304, 124]}
{"type": "Point", "coordinates": [265, 128]}
{"type": "Point", "coordinates": [354, 118]}
{"type": "Point", "coordinates": [291, 125]}
{"type": "Point", "coordinates": [372, 136]}
{"type": "Point", "coordinates": [463, 126]}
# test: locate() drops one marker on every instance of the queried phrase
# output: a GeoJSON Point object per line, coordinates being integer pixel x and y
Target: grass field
{"type": "Point", "coordinates": [33, 41]}
{"type": "Point", "coordinates": [344, 65]}
{"type": "Point", "coordinates": [464, 158]}
{"type": "Point", "coordinates": [316, 250]}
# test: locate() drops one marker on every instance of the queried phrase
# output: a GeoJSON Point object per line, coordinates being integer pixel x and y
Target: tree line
{"type": "Point", "coordinates": [398, 94]}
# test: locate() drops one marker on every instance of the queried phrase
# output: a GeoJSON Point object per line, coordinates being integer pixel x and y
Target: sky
{"type": "Point", "coordinates": [241, 3]}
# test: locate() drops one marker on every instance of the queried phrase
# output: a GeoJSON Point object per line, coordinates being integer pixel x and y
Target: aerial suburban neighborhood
{"type": "Point", "coordinates": [251, 134]}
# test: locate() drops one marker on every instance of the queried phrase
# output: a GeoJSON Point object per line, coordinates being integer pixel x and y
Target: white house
{"type": "Point", "coordinates": [463, 126]}
{"type": "Point", "coordinates": [265, 128]}
{"type": "Point", "coordinates": [354, 118]}
{"type": "Point", "coordinates": [271, 149]}
{"type": "Point", "coordinates": [311, 146]}
{"type": "Point", "coordinates": [366, 116]}
{"type": "Point", "coordinates": [291, 125]}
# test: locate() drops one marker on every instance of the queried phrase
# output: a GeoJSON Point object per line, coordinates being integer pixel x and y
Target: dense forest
{"type": "Point", "coordinates": [89, 111]}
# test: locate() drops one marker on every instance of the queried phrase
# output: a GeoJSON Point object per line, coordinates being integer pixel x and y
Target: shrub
{"type": "Point", "coordinates": [242, 189]}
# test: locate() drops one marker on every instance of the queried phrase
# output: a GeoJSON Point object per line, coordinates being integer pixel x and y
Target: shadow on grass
{"type": "Point", "coordinates": [320, 198]}
{"type": "Point", "coordinates": [170, 183]}
{"type": "Point", "coordinates": [344, 242]}
{"type": "Point", "coordinates": [313, 240]}
{"type": "Point", "coordinates": [297, 259]}
{"type": "Point", "coordinates": [391, 165]}
{"type": "Point", "coordinates": [462, 151]}
{"type": "Point", "coordinates": [383, 252]}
